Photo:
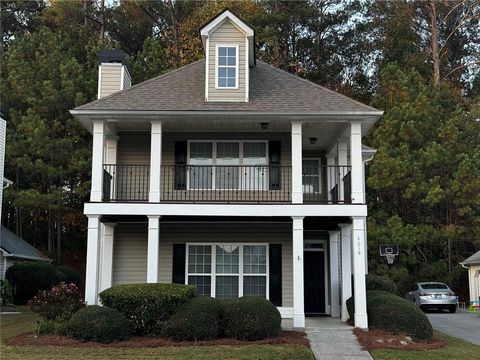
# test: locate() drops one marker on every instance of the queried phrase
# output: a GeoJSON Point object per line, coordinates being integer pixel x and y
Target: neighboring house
{"type": "Point", "coordinates": [231, 175]}
{"type": "Point", "coordinates": [473, 265]}
{"type": "Point", "coordinates": [13, 249]}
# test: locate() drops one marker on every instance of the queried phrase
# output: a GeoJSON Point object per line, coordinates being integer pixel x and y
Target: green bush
{"type": "Point", "coordinates": [6, 292]}
{"type": "Point", "coordinates": [98, 324]}
{"type": "Point", "coordinates": [198, 319]}
{"type": "Point", "coordinates": [57, 304]}
{"type": "Point", "coordinates": [147, 306]}
{"type": "Point", "coordinates": [392, 313]}
{"type": "Point", "coordinates": [71, 276]}
{"type": "Point", "coordinates": [251, 318]}
{"type": "Point", "coordinates": [48, 327]}
{"type": "Point", "coordinates": [28, 278]}
{"type": "Point", "coordinates": [376, 282]}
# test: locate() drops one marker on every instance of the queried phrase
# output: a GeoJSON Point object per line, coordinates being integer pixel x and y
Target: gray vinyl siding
{"type": "Point", "coordinates": [130, 248]}
{"type": "Point", "coordinates": [130, 254]}
{"type": "Point", "coordinates": [110, 79]}
{"type": "Point", "coordinates": [134, 148]}
{"type": "Point", "coordinates": [227, 33]}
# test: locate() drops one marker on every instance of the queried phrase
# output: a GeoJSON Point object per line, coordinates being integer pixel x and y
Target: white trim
{"type": "Point", "coordinates": [98, 148]}
{"type": "Point", "coordinates": [155, 161]}
{"type": "Point", "coordinates": [298, 278]}
{"type": "Point", "coordinates": [285, 312]}
{"type": "Point", "coordinates": [153, 248]}
{"type": "Point", "coordinates": [92, 267]}
{"type": "Point", "coordinates": [224, 210]}
{"type": "Point", "coordinates": [247, 72]}
{"type": "Point", "coordinates": [334, 276]}
{"type": "Point", "coordinates": [99, 88]}
{"type": "Point", "coordinates": [213, 271]}
{"type": "Point", "coordinates": [122, 77]}
{"type": "Point", "coordinates": [296, 158]}
{"type": "Point", "coordinates": [346, 233]}
{"type": "Point", "coordinates": [359, 287]}
{"type": "Point", "coordinates": [207, 66]}
{"type": "Point", "coordinates": [212, 26]}
{"type": "Point", "coordinates": [237, 66]}
{"type": "Point", "coordinates": [106, 256]}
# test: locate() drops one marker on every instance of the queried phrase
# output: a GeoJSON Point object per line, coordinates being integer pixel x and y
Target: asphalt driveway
{"type": "Point", "coordinates": [462, 325]}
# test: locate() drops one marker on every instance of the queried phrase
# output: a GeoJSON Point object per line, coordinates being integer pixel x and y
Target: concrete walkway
{"type": "Point", "coordinates": [462, 325]}
{"type": "Point", "coordinates": [331, 339]}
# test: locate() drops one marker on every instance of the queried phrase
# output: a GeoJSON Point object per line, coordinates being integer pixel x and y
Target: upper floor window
{"type": "Point", "coordinates": [227, 67]}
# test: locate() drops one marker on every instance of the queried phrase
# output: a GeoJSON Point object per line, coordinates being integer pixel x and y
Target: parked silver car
{"type": "Point", "coordinates": [433, 295]}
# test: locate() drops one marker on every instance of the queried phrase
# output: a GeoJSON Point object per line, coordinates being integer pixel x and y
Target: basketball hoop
{"type": "Point", "coordinates": [389, 251]}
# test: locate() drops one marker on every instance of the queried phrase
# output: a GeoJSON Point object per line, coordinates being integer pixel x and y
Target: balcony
{"type": "Point", "coordinates": [254, 184]}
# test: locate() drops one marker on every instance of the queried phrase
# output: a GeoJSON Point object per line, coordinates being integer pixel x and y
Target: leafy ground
{"type": "Point", "coordinates": [455, 349]}
{"type": "Point", "coordinates": [11, 325]}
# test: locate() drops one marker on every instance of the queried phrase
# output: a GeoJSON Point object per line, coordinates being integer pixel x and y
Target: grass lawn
{"type": "Point", "coordinates": [455, 349]}
{"type": "Point", "coordinates": [11, 325]}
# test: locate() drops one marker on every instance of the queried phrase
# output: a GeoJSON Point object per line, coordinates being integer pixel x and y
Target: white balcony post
{"type": "Point", "coordinates": [298, 301]}
{"type": "Point", "coordinates": [155, 161]}
{"type": "Point", "coordinates": [297, 187]}
{"type": "Point", "coordinates": [152, 248]}
{"type": "Point", "coordinates": [342, 170]}
{"type": "Point", "coordinates": [96, 193]}
{"type": "Point", "coordinates": [106, 255]}
{"type": "Point", "coordinates": [91, 278]}
{"type": "Point", "coordinates": [346, 233]}
{"type": "Point", "coordinates": [111, 142]}
{"type": "Point", "coordinates": [334, 285]}
{"type": "Point", "coordinates": [358, 197]}
{"type": "Point", "coordinates": [330, 174]}
{"type": "Point", "coordinates": [360, 295]}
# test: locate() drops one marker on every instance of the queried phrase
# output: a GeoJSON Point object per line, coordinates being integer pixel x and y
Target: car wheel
{"type": "Point", "coordinates": [452, 309]}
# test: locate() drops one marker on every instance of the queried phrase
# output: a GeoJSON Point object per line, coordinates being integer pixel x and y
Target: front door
{"type": "Point", "coordinates": [314, 278]}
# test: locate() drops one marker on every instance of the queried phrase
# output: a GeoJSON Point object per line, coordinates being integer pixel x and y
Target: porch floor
{"type": "Point", "coordinates": [318, 323]}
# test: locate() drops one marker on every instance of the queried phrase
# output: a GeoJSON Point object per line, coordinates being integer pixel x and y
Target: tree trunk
{"type": "Point", "coordinates": [102, 21]}
{"type": "Point", "coordinates": [434, 44]}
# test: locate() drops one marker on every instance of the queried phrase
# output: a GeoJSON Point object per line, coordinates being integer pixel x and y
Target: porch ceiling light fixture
{"type": "Point", "coordinates": [264, 125]}
{"type": "Point", "coordinates": [313, 140]}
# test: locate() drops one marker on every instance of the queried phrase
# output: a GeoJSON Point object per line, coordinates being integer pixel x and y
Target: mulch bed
{"type": "Point", "coordinates": [30, 339]}
{"type": "Point", "coordinates": [379, 339]}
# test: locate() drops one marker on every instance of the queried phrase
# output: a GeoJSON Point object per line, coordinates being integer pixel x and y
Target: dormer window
{"type": "Point", "coordinates": [227, 67]}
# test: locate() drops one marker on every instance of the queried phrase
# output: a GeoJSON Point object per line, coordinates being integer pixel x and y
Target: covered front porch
{"type": "Point", "coordinates": [303, 264]}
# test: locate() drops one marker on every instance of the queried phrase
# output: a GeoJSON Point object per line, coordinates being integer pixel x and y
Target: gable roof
{"type": "Point", "coordinates": [472, 260]}
{"type": "Point", "coordinates": [15, 246]}
{"type": "Point", "coordinates": [271, 90]}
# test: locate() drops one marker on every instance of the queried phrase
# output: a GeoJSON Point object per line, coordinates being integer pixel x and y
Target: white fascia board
{"type": "Point", "coordinates": [206, 30]}
{"type": "Point", "coordinates": [159, 209]}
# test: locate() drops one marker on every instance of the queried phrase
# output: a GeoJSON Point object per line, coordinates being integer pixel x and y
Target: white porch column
{"type": "Point", "coordinates": [297, 187]}
{"type": "Point", "coordinates": [360, 295]}
{"type": "Point", "coordinates": [334, 290]}
{"type": "Point", "coordinates": [346, 231]}
{"type": "Point", "coordinates": [153, 245]}
{"type": "Point", "coordinates": [155, 161]}
{"type": "Point", "coordinates": [91, 278]}
{"type": "Point", "coordinates": [111, 142]}
{"type": "Point", "coordinates": [106, 256]}
{"type": "Point", "coordinates": [96, 193]}
{"type": "Point", "coordinates": [298, 302]}
{"type": "Point", "coordinates": [330, 174]}
{"type": "Point", "coordinates": [342, 161]}
{"type": "Point", "coordinates": [358, 197]}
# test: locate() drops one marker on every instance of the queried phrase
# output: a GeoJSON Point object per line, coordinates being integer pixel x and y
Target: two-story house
{"type": "Point", "coordinates": [231, 175]}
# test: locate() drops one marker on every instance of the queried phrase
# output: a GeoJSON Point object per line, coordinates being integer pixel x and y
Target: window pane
{"type": "Point", "coordinates": [255, 286]}
{"type": "Point", "coordinates": [199, 259]}
{"type": "Point", "coordinates": [200, 173]}
{"type": "Point", "coordinates": [203, 284]}
{"type": "Point", "coordinates": [226, 287]}
{"type": "Point", "coordinates": [222, 51]}
{"type": "Point", "coordinates": [230, 82]}
{"type": "Point", "coordinates": [230, 150]}
{"type": "Point", "coordinates": [222, 72]}
{"type": "Point", "coordinates": [227, 177]}
{"type": "Point", "coordinates": [231, 61]}
{"type": "Point", "coordinates": [226, 259]}
{"type": "Point", "coordinates": [201, 151]}
{"type": "Point", "coordinates": [222, 82]}
{"type": "Point", "coordinates": [232, 51]}
{"type": "Point", "coordinates": [311, 176]}
{"type": "Point", "coordinates": [254, 259]}
{"type": "Point", "coordinates": [255, 153]}
{"type": "Point", "coordinates": [231, 73]}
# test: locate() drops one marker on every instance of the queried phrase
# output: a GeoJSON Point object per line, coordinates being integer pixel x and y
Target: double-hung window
{"type": "Point", "coordinates": [227, 67]}
{"type": "Point", "coordinates": [227, 271]}
{"type": "Point", "coordinates": [228, 165]}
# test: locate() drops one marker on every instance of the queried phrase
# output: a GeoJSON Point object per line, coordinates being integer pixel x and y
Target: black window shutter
{"type": "Point", "coordinates": [180, 165]}
{"type": "Point", "coordinates": [178, 269]}
{"type": "Point", "coordinates": [275, 269]}
{"type": "Point", "coordinates": [274, 150]}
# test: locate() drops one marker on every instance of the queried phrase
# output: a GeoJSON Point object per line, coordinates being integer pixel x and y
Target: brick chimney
{"type": "Point", "coordinates": [113, 73]}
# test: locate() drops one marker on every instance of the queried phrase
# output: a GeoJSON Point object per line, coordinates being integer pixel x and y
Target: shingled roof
{"type": "Point", "coordinates": [472, 260]}
{"type": "Point", "coordinates": [16, 247]}
{"type": "Point", "coordinates": [271, 90]}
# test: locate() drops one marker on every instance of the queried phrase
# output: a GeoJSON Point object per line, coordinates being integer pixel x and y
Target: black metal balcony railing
{"type": "Point", "coordinates": [226, 183]}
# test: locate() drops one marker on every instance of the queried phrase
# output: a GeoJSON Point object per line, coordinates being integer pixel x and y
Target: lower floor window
{"type": "Point", "coordinates": [227, 271]}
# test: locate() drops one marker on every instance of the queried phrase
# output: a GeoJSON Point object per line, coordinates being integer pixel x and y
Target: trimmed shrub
{"type": "Point", "coordinates": [147, 306]}
{"type": "Point", "coordinates": [392, 313]}
{"type": "Point", "coordinates": [198, 319]}
{"type": "Point", "coordinates": [57, 304]}
{"type": "Point", "coordinates": [28, 278]}
{"type": "Point", "coordinates": [98, 324]}
{"type": "Point", "coordinates": [251, 318]}
{"type": "Point", "coordinates": [71, 276]}
{"type": "Point", "coordinates": [376, 282]}
{"type": "Point", "coordinates": [47, 327]}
